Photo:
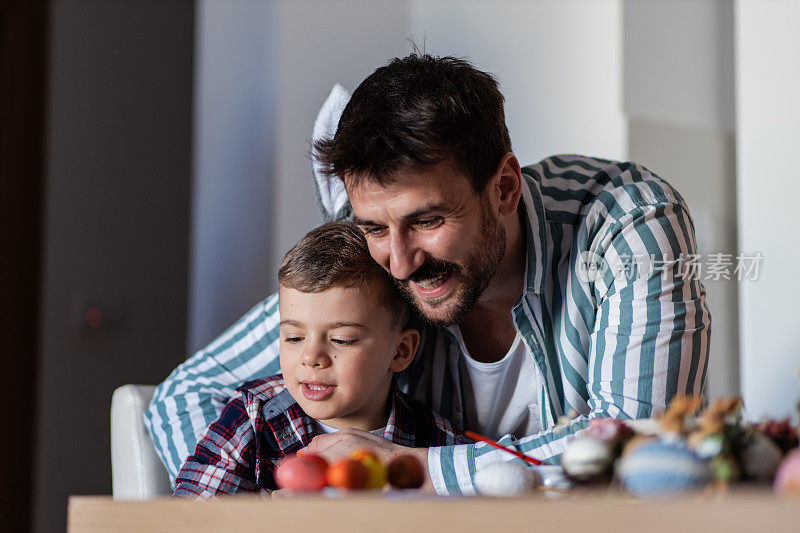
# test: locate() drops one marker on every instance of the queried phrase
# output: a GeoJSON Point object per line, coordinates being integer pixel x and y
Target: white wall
{"type": "Point", "coordinates": [679, 102]}
{"type": "Point", "coordinates": [768, 178]}
{"type": "Point", "coordinates": [559, 65]}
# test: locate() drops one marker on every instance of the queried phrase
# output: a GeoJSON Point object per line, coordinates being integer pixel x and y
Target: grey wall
{"type": "Point", "coordinates": [234, 140]}
{"type": "Point", "coordinates": [263, 71]}
{"type": "Point", "coordinates": [678, 96]}
{"type": "Point", "coordinates": [320, 43]}
{"type": "Point", "coordinates": [116, 230]}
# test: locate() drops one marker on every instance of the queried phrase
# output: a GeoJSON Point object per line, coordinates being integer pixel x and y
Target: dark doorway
{"type": "Point", "coordinates": [23, 47]}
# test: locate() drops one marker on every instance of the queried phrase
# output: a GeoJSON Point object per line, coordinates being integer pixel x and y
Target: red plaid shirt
{"type": "Point", "coordinates": [263, 424]}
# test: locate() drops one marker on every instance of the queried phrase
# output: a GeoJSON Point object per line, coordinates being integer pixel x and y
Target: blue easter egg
{"type": "Point", "coordinates": [662, 468]}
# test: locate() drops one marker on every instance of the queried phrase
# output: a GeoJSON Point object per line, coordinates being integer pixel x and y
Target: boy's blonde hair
{"type": "Point", "coordinates": [336, 255]}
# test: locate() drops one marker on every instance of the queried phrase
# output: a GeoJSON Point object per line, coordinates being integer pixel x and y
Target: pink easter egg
{"type": "Point", "coordinates": [302, 474]}
{"type": "Point", "coordinates": [787, 477]}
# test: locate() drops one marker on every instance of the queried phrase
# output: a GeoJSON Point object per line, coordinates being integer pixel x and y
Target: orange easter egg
{"type": "Point", "coordinates": [347, 474]}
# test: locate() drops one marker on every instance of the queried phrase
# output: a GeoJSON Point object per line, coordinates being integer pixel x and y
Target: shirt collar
{"type": "Point", "coordinates": [401, 426]}
{"type": "Point", "coordinates": [536, 232]}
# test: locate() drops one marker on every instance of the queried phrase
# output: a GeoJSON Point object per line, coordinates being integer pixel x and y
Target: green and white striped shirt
{"type": "Point", "coordinates": [613, 323]}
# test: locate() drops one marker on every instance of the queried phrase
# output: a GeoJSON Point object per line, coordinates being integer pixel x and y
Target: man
{"type": "Point", "coordinates": [550, 291]}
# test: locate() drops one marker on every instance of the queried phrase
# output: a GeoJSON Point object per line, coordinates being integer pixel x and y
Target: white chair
{"type": "Point", "coordinates": [137, 473]}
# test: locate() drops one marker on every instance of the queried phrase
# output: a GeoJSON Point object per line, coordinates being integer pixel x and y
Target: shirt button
{"type": "Point", "coordinates": [287, 435]}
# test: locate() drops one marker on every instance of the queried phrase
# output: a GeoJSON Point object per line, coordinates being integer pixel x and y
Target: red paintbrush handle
{"type": "Point", "coordinates": [474, 436]}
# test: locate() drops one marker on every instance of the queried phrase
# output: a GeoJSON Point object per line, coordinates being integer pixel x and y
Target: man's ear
{"type": "Point", "coordinates": [507, 184]}
{"type": "Point", "coordinates": [408, 342]}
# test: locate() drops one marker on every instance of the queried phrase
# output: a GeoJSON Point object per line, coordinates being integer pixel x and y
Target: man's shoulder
{"type": "Point", "coordinates": [574, 186]}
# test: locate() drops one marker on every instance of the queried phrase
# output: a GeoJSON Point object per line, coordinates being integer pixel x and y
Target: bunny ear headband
{"type": "Point", "coordinates": [331, 195]}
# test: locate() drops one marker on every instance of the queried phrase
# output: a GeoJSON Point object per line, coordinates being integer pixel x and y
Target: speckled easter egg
{"type": "Point", "coordinates": [302, 474]}
{"type": "Point", "coordinates": [787, 478]}
{"type": "Point", "coordinates": [348, 474]}
{"type": "Point", "coordinates": [505, 479]}
{"type": "Point", "coordinates": [406, 472]}
{"type": "Point", "coordinates": [587, 459]}
{"type": "Point", "coordinates": [662, 468]}
{"type": "Point", "coordinates": [760, 457]}
{"type": "Point", "coordinates": [376, 478]}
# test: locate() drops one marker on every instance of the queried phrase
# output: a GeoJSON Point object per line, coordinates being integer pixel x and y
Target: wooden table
{"type": "Point", "coordinates": [760, 512]}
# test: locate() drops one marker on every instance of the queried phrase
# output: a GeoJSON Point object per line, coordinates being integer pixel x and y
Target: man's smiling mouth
{"type": "Point", "coordinates": [435, 287]}
{"type": "Point", "coordinates": [432, 282]}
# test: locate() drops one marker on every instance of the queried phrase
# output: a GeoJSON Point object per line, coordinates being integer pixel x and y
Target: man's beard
{"type": "Point", "coordinates": [474, 274]}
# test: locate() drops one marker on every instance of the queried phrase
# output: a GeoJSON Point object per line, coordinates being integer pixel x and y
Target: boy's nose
{"type": "Point", "coordinates": [315, 355]}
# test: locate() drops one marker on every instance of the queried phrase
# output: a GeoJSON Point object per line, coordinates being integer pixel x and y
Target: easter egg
{"type": "Point", "coordinates": [760, 457]}
{"type": "Point", "coordinates": [787, 478]}
{"type": "Point", "coordinates": [377, 471]}
{"type": "Point", "coordinates": [587, 459]}
{"type": "Point", "coordinates": [348, 474]}
{"type": "Point", "coordinates": [406, 472]}
{"type": "Point", "coordinates": [661, 468]}
{"type": "Point", "coordinates": [505, 479]}
{"type": "Point", "coordinates": [302, 474]}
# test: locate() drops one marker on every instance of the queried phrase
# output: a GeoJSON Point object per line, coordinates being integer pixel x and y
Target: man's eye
{"type": "Point", "coordinates": [428, 222]}
{"type": "Point", "coordinates": [371, 230]}
{"type": "Point", "coordinates": [344, 342]}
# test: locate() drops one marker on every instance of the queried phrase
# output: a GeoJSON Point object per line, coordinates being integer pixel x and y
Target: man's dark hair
{"type": "Point", "coordinates": [336, 255]}
{"type": "Point", "coordinates": [414, 113]}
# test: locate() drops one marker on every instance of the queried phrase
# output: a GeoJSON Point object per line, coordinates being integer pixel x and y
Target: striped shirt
{"type": "Point", "coordinates": [262, 424]}
{"type": "Point", "coordinates": [609, 315]}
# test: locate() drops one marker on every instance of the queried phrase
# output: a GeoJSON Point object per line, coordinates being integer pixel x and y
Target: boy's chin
{"type": "Point", "coordinates": [317, 411]}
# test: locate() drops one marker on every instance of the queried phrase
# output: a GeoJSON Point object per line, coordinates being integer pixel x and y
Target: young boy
{"type": "Point", "coordinates": [343, 334]}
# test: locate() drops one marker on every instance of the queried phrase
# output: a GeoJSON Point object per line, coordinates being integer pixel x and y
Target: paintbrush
{"type": "Point", "coordinates": [474, 436]}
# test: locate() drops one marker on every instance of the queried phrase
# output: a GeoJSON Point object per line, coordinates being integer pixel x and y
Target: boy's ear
{"type": "Point", "coordinates": [407, 344]}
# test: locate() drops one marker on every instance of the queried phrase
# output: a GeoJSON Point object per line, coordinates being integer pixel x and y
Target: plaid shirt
{"type": "Point", "coordinates": [262, 424]}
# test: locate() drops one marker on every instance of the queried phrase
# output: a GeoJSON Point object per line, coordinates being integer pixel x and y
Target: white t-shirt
{"type": "Point", "coordinates": [506, 393]}
{"type": "Point", "coordinates": [322, 428]}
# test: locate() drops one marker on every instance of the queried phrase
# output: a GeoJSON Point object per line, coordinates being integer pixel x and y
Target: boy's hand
{"type": "Point", "coordinates": [339, 445]}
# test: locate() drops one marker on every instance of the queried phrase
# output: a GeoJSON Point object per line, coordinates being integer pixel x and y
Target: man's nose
{"type": "Point", "coordinates": [315, 354]}
{"type": "Point", "coordinates": [405, 255]}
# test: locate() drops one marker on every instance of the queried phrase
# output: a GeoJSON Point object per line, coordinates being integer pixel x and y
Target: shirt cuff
{"type": "Point", "coordinates": [452, 469]}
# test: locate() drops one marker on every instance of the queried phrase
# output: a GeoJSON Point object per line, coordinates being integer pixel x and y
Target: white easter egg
{"type": "Point", "coordinates": [505, 479]}
{"type": "Point", "coordinates": [586, 459]}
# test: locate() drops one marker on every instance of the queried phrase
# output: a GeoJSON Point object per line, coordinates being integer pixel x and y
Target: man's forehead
{"type": "Point", "coordinates": [414, 187]}
{"type": "Point", "coordinates": [414, 177]}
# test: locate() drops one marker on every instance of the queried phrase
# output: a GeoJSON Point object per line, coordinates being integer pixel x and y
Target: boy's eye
{"type": "Point", "coordinates": [293, 340]}
{"type": "Point", "coordinates": [344, 342]}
